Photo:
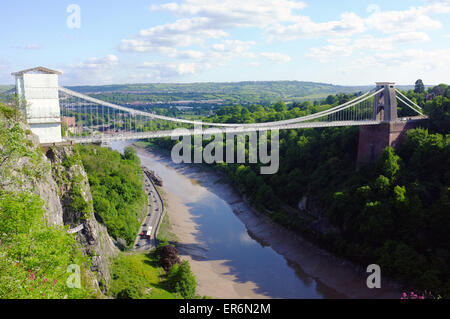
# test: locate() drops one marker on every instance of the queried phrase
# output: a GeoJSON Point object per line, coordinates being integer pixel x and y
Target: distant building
{"type": "Point", "coordinates": [68, 121]}
{"type": "Point", "coordinates": [71, 124]}
{"type": "Point", "coordinates": [37, 89]}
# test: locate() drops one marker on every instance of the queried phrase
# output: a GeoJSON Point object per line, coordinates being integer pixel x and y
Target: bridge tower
{"type": "Point", "coordinates": [385, 103]}
{"type": "Point", "coordinates": [373, 139]}
{"type": "Point", "coordinates": [37, 90]}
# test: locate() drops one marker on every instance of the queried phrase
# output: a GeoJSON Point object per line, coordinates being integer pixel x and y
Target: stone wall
{"type": "Point", "coordinates": [373, 139]}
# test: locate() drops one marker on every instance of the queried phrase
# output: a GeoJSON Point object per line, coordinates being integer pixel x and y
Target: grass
{"type": "Point", "coordinates": [138, 276]}
{"type": "Point", "coordinates": [165, 230]}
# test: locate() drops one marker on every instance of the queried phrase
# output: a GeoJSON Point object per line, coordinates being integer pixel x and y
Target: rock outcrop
{"type": "Point", "coordinates": [57, 175]}
{"type": "Point", "coordinates": [78, 212]}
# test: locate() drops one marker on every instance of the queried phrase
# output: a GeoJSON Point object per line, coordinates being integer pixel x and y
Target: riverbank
{"type": "Point", "coordinates": [213, 276]}
{"type": "Point", "coordinates": [334, 277]}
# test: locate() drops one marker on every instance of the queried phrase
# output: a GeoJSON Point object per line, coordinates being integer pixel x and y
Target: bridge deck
{"type": "Point", "coordinates": [187, 132]}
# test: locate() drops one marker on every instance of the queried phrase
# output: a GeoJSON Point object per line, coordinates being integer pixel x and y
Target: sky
{"type": "Point", "coordinates": [342, 42]}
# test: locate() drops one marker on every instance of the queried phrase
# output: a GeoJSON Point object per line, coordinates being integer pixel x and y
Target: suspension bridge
{"type": "Point", "coordinates": [47, 106]}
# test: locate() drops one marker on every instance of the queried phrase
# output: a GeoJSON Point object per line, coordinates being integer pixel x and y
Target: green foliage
{"type": "Point", "coordinates": [182, 280]}
{"type": "Point", "coordinates": [382, 185]}
{"type": "Point", "coordinates": [389, 163]}
{"type": "Point", "coordinates": [7, 112]}
{"type": "Point", "coordinates": [34, 256]}
{"type": "Point", "coordinates": [116, 186]}
{"type": "Point", "coordinates": [138, 276]}
{"type": "Point", "coordinates": [13, 145]}
{"type": "Point", "coordinates": [78, 202]}
{"type": "Point", "coordinates": [439, 112]}
{"type": "Point", "coordinates": [130, 154]}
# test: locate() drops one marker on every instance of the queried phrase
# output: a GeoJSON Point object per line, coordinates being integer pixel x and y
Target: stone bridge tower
{"type": "Point", "coordinates": [37, 90]}
{"type": "Point", "coordinates": [385, 103]}
{"type": "Point", "coordinates": [373, 139]}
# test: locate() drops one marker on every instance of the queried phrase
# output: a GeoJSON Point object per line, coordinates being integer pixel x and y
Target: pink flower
{"type": "Point", "coordinates": [405, 295]}
{"type": "Point", "coordinates": [45, 280]}
{"type": "Point", "coordinates": [55, 282]}
{"type": "Point", "coordinates": [32, 276]}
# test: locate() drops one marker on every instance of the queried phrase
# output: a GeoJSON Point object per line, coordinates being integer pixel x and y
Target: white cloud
{"type": "Point", "coordinates": [237, 13]}
{"type": "Point", "coordinates": [276, 57]}
{"type": "Point", "coordinates": [230, 48]}
{"type": "Point", "coordinates": [325, 53]}
{"type": "Point", "coordinates": [371, 8]}
{"type": "Point", "coordinates": [160, 70]}
{"type": "Point", "coordinates": [188, 55]}
{"type": "Point", "coordinates": [411, 20]}
{"type": "Point", "coordinates": [199, 39]}
{"type": "Point", "coordinates": [181, 33]}
{"type": "Point", "coordinates": [416, 59]}
{"type": "Point", "coordinates": [438, 6]}
{"type": "Point", "coordinates": [366, 43]}
{"type": "Point", "coordinates": [217, 54]}
{"type": "Point", "coordinates": [207, 19]}
{"type": "Point", "coordinates": [407, 20]}
{"type": "Point", "coordinates": [404, 65]}
{"type": "Point", "coordinates": [103, 63]}
{"type": "Point", "coordinates": [305, 28]}
{"type": "Point", "coordinates": [92, 70]}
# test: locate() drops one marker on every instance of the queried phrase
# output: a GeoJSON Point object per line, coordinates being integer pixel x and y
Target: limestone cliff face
{"type": "Point", "coordinates": [33, 173]}
{"type": "Point", "coordinates": [58, 177]}
{"type": "Point", "coordinates": [76, 198]}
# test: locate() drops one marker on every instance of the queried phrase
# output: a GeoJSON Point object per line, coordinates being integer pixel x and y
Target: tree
{"type": "Point", "coordinates": [130, 153]}
{"type": "Point", "coordinates": [182, 280]}
{"type": "Point", "coordinates": [13, 138]}
{"type": "Point", "coordinates": [440, 89]}
{"type": "Point", "coordinates": [331, 99]}
{"type": "Point", "coordinates": [280, 106]}
{"type": "Point", "coordinates": [389, 162]}
{"type": "Point", "coordinates": [169, 257]}
{"type": "Point", "coordinates": [419, 87]}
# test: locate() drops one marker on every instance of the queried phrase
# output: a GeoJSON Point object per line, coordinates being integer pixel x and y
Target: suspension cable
{"type": "Point", "coordinates": [301, 119]}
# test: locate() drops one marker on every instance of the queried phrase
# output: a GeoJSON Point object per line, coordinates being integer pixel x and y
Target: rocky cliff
{"type": "Point", "coordinates": [57, 175]}
{"type": "Point", "coordinates": [77, 210]}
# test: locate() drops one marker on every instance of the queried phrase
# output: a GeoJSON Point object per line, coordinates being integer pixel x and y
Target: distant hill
{"type": "Point", "coordinates": [4, 88]}
{"type": "Point", "coordinates": [229, 92]}
{"type": "Point", "coordinates": [264, 92]}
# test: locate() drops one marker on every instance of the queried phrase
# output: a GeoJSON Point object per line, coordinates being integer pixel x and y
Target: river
{"type": "Point", "coordinates": [237, 254]}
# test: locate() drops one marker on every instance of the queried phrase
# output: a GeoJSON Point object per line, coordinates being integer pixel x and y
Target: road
{"type": "Point", "coordinates": [152, 216]}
